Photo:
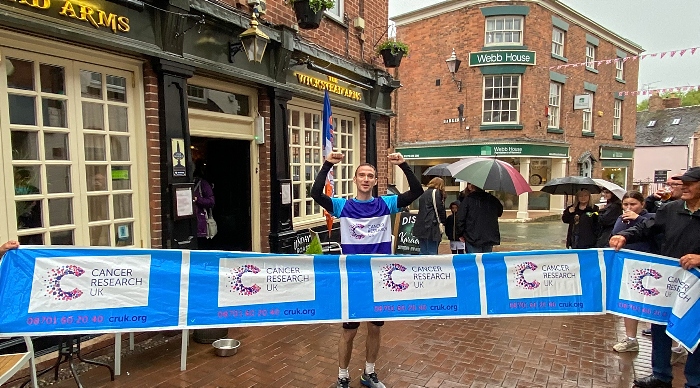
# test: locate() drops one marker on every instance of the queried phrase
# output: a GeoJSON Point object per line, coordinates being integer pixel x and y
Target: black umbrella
{"type": "Point", "coordinates": [570, 185]}
{"type": "Point", "coordinates": [438, 170]}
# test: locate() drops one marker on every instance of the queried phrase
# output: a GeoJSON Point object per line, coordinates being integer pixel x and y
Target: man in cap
{"type": "Point", "coordinates": [678, 224]}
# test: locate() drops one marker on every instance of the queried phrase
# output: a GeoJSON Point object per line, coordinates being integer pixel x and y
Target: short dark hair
{"type": "Point", "coordinates": [366, 165]}
{"type": "Point", "coordinates": [634, 194]}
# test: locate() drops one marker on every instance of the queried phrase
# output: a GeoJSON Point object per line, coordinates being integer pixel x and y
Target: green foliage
{"type": "Point", "coordinates": [394, 46]}
{"type": "Point", "coordinates": [317, 5]}
{"type": "Point", "coordinates": [688, 98]}
{"type": "Point", "coordinates": [314, 246]}
{"type": "Point", "coordinates": [642, 106]}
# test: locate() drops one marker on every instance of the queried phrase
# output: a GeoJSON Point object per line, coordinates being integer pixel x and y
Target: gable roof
{"type": "Point", "coordinates": [663, 129]}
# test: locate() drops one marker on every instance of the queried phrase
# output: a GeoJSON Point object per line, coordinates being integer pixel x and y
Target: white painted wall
{"type": "Point", "coordinates": [648, 159]}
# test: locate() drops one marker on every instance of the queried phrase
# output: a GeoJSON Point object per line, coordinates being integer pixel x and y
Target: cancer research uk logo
{"type": "Point", "coordinates": [423, 277]}
{"type": "Point", "coordinates": [638, 275]}
{"type": "Point", "coordinates": [543, 276]}
{"type": "Point", "coordinates": [256, 280]}
{"type": "Point", "coordinates": [89, 283]}
{"type": "Point", "coordinates": [653, 283]}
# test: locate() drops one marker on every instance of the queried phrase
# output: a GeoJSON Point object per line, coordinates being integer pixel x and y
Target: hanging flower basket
{"type": "Point", "coordinates": [309, 15]}
{"type": "Point", "coordinates": [391, 59]}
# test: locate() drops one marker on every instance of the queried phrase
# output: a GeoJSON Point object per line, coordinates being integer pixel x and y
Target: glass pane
{"type": "Point", "coordinates": [316, 122]}
{"type": "Point", "coordinates": [64, 237]}
{"type": "Point", "coordinates": [22, 110]}
{"type": "Point", "coordinates": [20, 74]}
{"type": "Point", "coordinates": [25, 145]}
{"type": "Point", "coordinates": [52, 79]}
{"type": "Point", "coordinates": [96, 178]}
{"type": "Point", "coordinates": [124, 234]}
{"type": "Point", "coordinates": [56, 146]}
{"type": "Point", "coordinates": [295, 118]}
{"type": "Point", "coordinates": [98, 208]}
{"type": "Point", "coordinates": [60, 211]}
{"type": "Point", "coordinates": [54, 112]}
{"type": "Point", "coordinates": [309, 207]}
{"type": "Point", "coordinates": [122, 206]}
{"type": "Point", "coordinates": [93, 116]}
{"type": "Point", "coordinates": [99, 235]}
{"type": "Point", "coordinates": [296, 209]}
{"type": "Point", "coordinates": [116, 88]}
{"type": "Point", "coordinates": [316, 138]}
{"type": "Point", "coordinates": [295, 191]}
{"type": "Point", "coordinates": [121, 178]}
{"type": "Point", "coordinates": [90, 84]}
{"type": "Point", "coordinates": [58, 179]}
{"type": "Point", "coordinates": [32, 239]}
{"type": "Point", "coordinates": [28, 214]}
{"type": "Point", "coordinates": [119, 147]}
{"type": "Point", "coordinates": [95, 147]}
{"type": "Point", "coordinates": [118, 118]}
{"type": "Point", "coordinates": [27, 180]}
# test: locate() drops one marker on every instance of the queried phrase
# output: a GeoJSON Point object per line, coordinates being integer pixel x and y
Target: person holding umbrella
{"type": "Point", "coordinates": [607, 217]}
{"type": "Point", "coordinates": [582, 218]}
{"type": "Point", "coordinates": [477, 220]}
{"type": "Point", "coordinates": [431, 214]}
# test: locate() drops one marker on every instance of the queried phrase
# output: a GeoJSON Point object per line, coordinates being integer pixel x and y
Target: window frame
{"type": "Point", "coordinates": [590, 56]}
{"type": "Point", "coordinates": [517, 99]}
{"type": "Point", "coordinates": [587, 115]}
{"type": "Point", "coordinates": [617, 118]}
{"type": "Point", "coordinates": [340, 4]}
{"type": "Point", "coordinates": [504, 31]}
{"type": "Point", "coordinates": [557, 44]}
{"type": "Point", "coordinates": [554, 119]}
{"type": "Point", "coordinates": [620, 69]}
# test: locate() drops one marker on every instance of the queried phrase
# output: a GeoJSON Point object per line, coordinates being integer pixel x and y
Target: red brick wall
{"type": "Point", "coordinates": [422, 106]}
{"type": "Point", "coordinates": [150, 84]}
{"type": "Point", "coordinates": [264, 107]}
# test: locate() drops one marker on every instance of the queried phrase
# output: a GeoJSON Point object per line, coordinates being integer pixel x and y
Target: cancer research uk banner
{"type": "Point", "coordinates": [88, 290]}
{"type": "Point", "coordinates": [544, 282]}
{"type": "Point", "coordinates": [403, 287]}
{"type": "Point", "coordinates": [228, 289]}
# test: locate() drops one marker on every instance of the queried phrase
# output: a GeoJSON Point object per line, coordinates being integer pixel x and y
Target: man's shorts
{"type": "Point", "coordinates": [355, 325]}
{"type": "Point", "coordinates": [456, 245]}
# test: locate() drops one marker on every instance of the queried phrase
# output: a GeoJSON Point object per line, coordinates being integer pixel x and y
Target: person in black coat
{"type": "Point", "coordinates": [583, 222]}
{"type": "Point", "coordinates": [477, 220]}
{"type": "Point", "coordinates": [607, 218]}
{"type": "Point", "coordinates": [456, 246]}
{"type": "Point", "coordinates": [427, 226]}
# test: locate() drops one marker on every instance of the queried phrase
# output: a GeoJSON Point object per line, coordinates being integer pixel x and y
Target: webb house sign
{"type": "Point", "coordinates": [504, 57]}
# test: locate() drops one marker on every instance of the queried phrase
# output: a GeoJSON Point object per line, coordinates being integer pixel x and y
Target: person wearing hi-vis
{"type": "Point", "coordinates": [678, 225]}
{"type": "Point", "coordinates": [365, 227]}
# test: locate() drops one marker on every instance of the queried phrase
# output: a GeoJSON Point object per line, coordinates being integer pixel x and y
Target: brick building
{"type": "Point", "coordinates": [106, 106]}
{"type": "Point", "coordinates": [512, 97]}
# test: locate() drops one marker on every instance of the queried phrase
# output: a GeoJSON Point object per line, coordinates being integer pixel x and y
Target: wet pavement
{"type": "Point", "coordinates": [571, 351]}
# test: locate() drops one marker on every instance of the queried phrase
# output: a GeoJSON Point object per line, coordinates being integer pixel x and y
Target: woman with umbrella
{"type": "Point", "coordinates": [607, 217]}
{"type": "Point", "coordinates": [582, 218]}
{"type": "Point", "coordinates": [431, 214]}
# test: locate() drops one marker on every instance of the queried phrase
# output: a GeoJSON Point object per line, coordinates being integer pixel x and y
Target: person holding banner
{"type": "Point", "coordinates": [12, 244]}
{"type": "Point", "coordinates": [678, 224]}
{"type": "Point", "coordinates": [365, 227]}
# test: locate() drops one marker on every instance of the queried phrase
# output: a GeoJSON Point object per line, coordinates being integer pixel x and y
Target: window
{"type": "Point", "coordinates": [588, 116]}
{"type": "Point", "coordinates": [676, 121]}
{"type": "Point", "coordinates": [619, 69]}
{"type": "Point", "coordinates": [651, 123]}
{"type": "Point", "coordinates": [558, 42]}
{"type": "Point", "coordinates": [336, 12]}
{"type": "Point", "coordinates": [668, 139]}
{"type": "Point", "coordinates": [306, 157]}
{"type": "Point", "coordinates": [617, 118]}
{"type": "Point", "coordinates": [590, 56]}
{"type": "Point", "coordinates": [72, 129]}
{"type": "Point", "coordinates": [554, 104]}
{"type": "Point", "coordinates": [501, 99]}
{"type": "Point", "coordinates": [504, 30]}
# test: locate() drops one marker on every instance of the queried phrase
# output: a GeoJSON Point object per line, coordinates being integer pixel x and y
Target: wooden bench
{"type": "Point", "coordinates": [12, 363]}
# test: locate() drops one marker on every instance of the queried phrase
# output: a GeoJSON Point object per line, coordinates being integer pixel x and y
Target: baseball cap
{"type": "Point", "coordinates": [691, 175]}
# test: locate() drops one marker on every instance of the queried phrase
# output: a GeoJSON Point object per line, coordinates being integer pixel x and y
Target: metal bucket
{"type": "Point", "coordinates": [226, 347]}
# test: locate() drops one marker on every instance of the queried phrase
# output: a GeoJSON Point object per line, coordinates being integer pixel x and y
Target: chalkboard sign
{"type": "Point", "coordinates": [660, 176]}
{"type": "Point", "coordinates": [406, 243]}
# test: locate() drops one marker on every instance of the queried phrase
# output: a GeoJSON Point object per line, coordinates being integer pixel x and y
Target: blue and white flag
{"type": "Point", "coordinates": [328, 136]}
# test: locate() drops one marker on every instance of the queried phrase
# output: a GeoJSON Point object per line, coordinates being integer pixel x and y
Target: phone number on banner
{"type": "Point", "coordinates": [82, 319]}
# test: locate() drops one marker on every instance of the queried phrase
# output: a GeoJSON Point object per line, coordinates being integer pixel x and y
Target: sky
{"type": "Point", "coordinates": [656, 25]}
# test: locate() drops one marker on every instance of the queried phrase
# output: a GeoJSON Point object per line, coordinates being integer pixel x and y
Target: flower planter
{"type": "Point", "coordinates": [307, 19]}
{"type": "Point", "coordinates": [391, 60]}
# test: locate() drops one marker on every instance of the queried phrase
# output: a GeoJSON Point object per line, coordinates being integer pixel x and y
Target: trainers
{"type": "Point", "coordinates": [343, 383]}
{"type": "Point", "coordinates": [646, 332]}
{"type": "Point", "coordinates": [626, 345]}
{"type": "Point", "coordinates": [371, 381]}
{"type": "Point", "coordinates": [679, 356]}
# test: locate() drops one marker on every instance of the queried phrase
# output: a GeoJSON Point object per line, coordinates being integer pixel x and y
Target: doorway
{"type": "Point", "coordinates": [228, 170]}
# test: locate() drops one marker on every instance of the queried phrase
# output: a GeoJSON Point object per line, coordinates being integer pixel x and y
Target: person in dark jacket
{"type": "Point", "coordinates": [477, 220]}
{"type": "Point", "coordinates": [661, 196]}
{"type": "Point", "coordinates": [456, 246]}
{"type": "Point", "coordinates": [203, 197]}
{"type": "Point", "coordinates": [607, 217]}
{"type": "Point", "coordinates": [678, 223]}
{"type": "Point", "coordinates": [427, 226]}
{"type": "Point", "coordinates": [582, 218]}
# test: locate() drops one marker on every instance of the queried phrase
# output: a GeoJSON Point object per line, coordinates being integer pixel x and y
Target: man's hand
{"type": "Point", "coordinates": [659, 193]}
{"type": "Point", "coordinates": [12, 244]}
{"type": "Point", "coordinates": [335, 157]}
{"type": "Point", "coordinates": [690, 260]}
{"type": "Point", "coordinates": [396, 158]}
{"type": "Point", "coordinates": [617, 242]}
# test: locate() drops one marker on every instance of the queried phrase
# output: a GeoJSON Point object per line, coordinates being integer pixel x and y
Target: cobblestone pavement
{"type": "Point", "coordinates": [571, 351]}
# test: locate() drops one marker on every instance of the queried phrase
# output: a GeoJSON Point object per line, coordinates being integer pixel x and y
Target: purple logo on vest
{"type": "Point", "coordinates": [388, 282]}
{"type": "Point", "coordinates": [53, 282]}
{"type": "Point", "coordinates": [236, 280]}
{"type": "Point", "coordinates": [519, 270]}
{"type": "Point", "coordinates": [354, 234]}
{"type": "Point", "coordinates": [638, 275]}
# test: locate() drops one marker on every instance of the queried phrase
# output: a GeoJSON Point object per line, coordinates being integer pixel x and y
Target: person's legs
{"type": "Point", "coordinates": [424, 245]}
{"type": "Point", "coordinates": [487, 248]}
{"type": "Point", "coordinates": [433, 247]}
{"type": "Point", "coordinates": [369, 376]}
{"type": "Point", "coordinates": [345, 352]}
{"type": "Point", "coordinates": [479, 249]}
{"type": "Point", "coordinates": [661, 353]}
{"type": "Point", "coordinates": [629, 344]}
{"type": "Point", "coordinates": [692, 370]}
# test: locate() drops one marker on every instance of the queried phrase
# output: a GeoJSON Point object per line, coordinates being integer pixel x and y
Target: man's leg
{"type": "Point", "coordinates": [369, 377]}
{"type": "Point", "coordinates": [487, 248]}
{"type": "Point", "coordinates": [345, 352]}
{"type": "Point", "coordinates": [692, 370]}
{"type": "Point", "coordinates": [661, 353]}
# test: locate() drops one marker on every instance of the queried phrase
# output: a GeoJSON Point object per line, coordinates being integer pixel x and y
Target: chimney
{"type": "Point", "coordinates": [672, 102]}
{"type": "Point", "coordinates": [656, 103]}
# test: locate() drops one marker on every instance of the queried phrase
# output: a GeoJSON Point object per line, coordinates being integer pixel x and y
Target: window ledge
{"type": "Point", "coordinates": [491, 127]}
{"type": "Point", "coordinates": [554, 130]}
{"type": "Point", "coordinates": [504, 47]}
{"type": "Point", "coordinates": [335, 19]}
{"type": "Point", "coordinates": [587, 134]}
{"type": "Point", "coordinates": [592, 70]}
{"type": "Point", "coordinates": [617, 137]}
{"type": "Point", "coordinates": [620, 80]}
{"type": "Point", "coordinates": [559, 57]}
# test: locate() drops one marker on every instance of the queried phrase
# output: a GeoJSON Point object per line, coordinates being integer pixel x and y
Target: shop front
{"type": "Point", "coordinates": [538, 164]}
{"type": "Point", "coordinates": [616, 163]}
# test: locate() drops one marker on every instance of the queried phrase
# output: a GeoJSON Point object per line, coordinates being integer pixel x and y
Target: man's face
{"type": "Point", "coordinates": [690, 191]}
{"type": "Point", "coordinates": [365, 179]}
{"type": "Point", "coordinates": [676, 187]}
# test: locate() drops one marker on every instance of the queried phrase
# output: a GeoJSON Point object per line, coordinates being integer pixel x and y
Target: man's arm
{"type": "Point", "coordinates": [317, 189]}
{"type": "Point", "coordinates": [415, 189]}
